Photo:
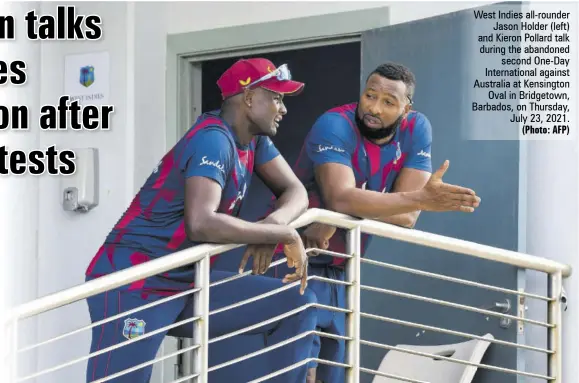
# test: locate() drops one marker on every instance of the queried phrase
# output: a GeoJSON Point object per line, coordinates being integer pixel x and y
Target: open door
{"type": "Point", "coordinates": [436, 51]}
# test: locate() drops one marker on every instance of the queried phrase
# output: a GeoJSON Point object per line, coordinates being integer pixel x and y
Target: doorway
{"type": "Point", "coordinates": [332, 77]}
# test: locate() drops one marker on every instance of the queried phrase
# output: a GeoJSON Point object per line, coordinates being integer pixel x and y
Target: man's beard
{"type": "Point", "coordinates": [377, 134]}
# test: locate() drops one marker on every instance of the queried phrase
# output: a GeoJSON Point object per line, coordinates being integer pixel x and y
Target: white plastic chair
{"type": "Point", "coordinates": [432, 370]}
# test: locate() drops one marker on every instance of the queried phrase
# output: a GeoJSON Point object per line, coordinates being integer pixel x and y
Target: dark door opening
{"type": "Point", "coordinates": [332, 77]}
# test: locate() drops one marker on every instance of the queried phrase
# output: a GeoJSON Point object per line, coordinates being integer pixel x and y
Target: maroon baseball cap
{"type": "Point", "coordinates": [246, 71]}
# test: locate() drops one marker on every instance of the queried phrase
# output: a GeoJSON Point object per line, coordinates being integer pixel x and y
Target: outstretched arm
{"type": "Point", "coordinates": [408, 180]}
{"type": "Point", "coordinates": [416, 171]}
{"type": "Point", "coordinates": [345, 197]}
{"type": "Point", "coordinates": [330, 146]}
{"type": "Point", "coordinates": [339, 191]}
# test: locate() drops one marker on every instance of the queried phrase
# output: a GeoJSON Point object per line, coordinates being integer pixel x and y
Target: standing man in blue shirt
{"type": "Point", "coordinates": [369, 159]}
{"type": "Point", "coordinates": [194, 196]}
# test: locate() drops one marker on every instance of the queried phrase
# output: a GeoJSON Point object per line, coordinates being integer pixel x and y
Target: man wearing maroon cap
{"type": "Point", "coordinates": [193, 196]}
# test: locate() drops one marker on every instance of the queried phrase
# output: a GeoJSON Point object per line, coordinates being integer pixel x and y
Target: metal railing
{"type": "Point", "coordinates": [197, 367]}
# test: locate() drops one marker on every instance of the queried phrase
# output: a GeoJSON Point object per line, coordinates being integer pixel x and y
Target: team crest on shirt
{"type": "Point", "coordinates": [133, 328]}
{"type": "Point", "coordinates": [239, 198]}
{"type": "Point", "coordinates": [398, 152]}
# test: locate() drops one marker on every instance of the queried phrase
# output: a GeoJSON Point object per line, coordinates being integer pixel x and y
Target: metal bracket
{"type": "Point", "coordinates": [178, 372]}
{"type": "Point", "coordinates": [563, 298]}
{"type": "Point", "coordinates": [521, 309]}
{"type": "Point", "coordinates": [505, 308]}
{"type": "Point", "coordinates": [502, 307]}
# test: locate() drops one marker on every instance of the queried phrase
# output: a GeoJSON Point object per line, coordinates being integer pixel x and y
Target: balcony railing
{"type": "Point", "coordinates": [196, 368]}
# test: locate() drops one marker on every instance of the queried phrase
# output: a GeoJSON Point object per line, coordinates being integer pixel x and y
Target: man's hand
{"type": "Point", "coordinates": [297, 258]}
{"type": "Point", "coordinates": [439, 196]}
{"type": "Point", "coordinates": [318, 235]}
{"type": "Point", "coordinates": [262, 256]}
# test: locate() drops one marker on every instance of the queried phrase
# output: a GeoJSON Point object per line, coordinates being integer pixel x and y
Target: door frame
{"type": "Point", "coordinates": [185, 52]}
{"type": "Point", "coordinates": [190, 101]}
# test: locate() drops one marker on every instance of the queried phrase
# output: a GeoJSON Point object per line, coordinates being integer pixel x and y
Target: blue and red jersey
{"type": "Point", "coordinates": [153, 225]}
{"type": "Point", "coordinates": [335, 138]}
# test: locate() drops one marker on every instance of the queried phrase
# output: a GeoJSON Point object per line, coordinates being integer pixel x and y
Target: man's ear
{"type": "Point", "coordinates": [248, 95]}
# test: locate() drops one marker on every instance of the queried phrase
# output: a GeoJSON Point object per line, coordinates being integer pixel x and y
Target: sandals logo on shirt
{"type": "Point", "coordinates": [215, 164]}
{"type": "Point", "coordinates": [133, 328]}
{"type": "Point", "coordinates": [424, 154]}
{"type": "Point", "coordinates": [331, 147]}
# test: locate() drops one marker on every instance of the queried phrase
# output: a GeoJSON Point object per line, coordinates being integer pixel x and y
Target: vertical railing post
{"type": "Point", "coordinates": [353, 320]}
{"type": "Point", "coordinates": [555, 332]}
{"type": "Point", "coordinates": [14, 349]}
{"type": "Point", "coordinates": [201, 326]}
{"type": "Point", "coordinates": [9, 365]}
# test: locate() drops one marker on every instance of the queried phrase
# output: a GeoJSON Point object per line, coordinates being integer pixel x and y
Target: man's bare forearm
{"type": "Point", "coordinates": [405, 220]}
{"type": "Point", "coordinates": [291, 204]}
{"type": "Point", "coordinates": [222, 228]}
{"type": "Point", "coordinates": [374, 205]}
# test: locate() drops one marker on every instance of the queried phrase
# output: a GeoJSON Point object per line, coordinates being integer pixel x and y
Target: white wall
{"type": "Point", "coordinates": [198, 16]}
{"type": "Point", "coordinates": [184, 16]}
{"type": "Point", "coordinates": [150, 45]}
{"type": "Point", "coordinates": [67, 241]}
{"type": "Point", "coordinates": [552, 227]}
{"type": "Point", "coordinates": [19, 218]}
{"type": "Point", "coordinates": [135, 36]}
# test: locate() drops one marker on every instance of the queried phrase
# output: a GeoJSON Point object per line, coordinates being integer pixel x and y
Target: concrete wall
{"type": "Point", "coordinates": [53, 251]}
{"type": "Point", "coordinates": [67, 241]}
{"type": "Point", "coordinates": [19, 195]}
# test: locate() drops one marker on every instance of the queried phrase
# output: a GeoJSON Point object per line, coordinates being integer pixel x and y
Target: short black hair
{"type": "Point", "coordinates": [397, 72]}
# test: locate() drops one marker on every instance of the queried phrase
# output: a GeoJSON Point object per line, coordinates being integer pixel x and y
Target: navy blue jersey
{"type": "Point", "coordinates": [153, 225]}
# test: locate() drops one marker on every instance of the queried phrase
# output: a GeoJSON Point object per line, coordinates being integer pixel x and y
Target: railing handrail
{"type": "Point", "coordinates": [196, 253]}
